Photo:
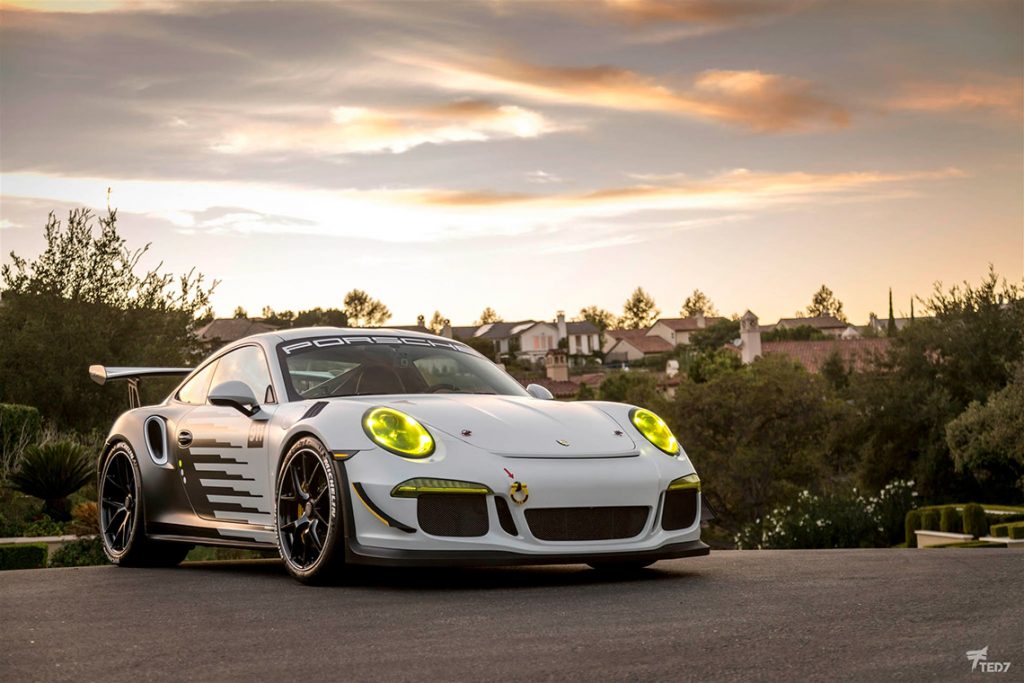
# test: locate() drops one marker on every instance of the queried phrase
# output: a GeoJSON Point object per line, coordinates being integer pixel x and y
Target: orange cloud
{"type": "Point", "coordinates": [749, 99]}
{"type": "Point", "coordinates": [360, 129]}
{"type": "Point", "coordinates": [734, 189]}
{"type": "Point", "coordinates": [691, 11]}
{"type": "Point", "coordinates": [1003, 96]}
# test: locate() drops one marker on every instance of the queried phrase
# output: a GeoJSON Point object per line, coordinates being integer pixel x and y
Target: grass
{"type": "Point", "coordinates": [203, 553]}
{"type": "Point", "coordinates": [970, 544]}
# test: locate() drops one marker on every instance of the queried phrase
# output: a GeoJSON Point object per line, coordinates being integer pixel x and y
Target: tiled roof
{"type": "Point", "coordinates": [857, 353]}
{"type": "Point", "coordinates": [647, 344]}
{"type": "Point", "coordinates": [464, 331]}
{"type": "Point", "coordinates": [686, 324]}
{"type": "Point", "coordinates": [625, 334]}
{"type": "Point", "coordinates": [232, 329]}
{"type": "Point", "coordinates": [820, 322]}
{"type": "Point", "coordinates": [558, 389]}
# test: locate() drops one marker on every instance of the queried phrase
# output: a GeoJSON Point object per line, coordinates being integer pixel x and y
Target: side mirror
{"type": "Point", "coordinates": [237, 395]}
{"type": "Point", "coordinates": [537, 391]}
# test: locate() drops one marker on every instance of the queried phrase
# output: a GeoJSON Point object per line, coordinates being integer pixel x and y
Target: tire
{"type": "Point", "coordinates": [308, 498]}
{"type": "Point", "coordinates": [621, 567]}
{"type": "Point", "coordinates": [122, 516]}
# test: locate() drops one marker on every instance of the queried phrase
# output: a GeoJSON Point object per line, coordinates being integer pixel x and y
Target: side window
{"type": "Point", "coordinates": [194, 391]}
{"type": "Point", "coordinates": [247, 365]}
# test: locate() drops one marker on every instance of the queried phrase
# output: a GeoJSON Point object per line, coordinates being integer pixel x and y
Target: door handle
{"type": "Point", "coordinates": [184, 438]}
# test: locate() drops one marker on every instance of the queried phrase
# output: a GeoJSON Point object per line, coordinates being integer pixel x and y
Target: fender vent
{"type": "Point", "coordinates": [156, 439]}
{"type": "Point", "coordinates": [586, 524]}
{"type": "Point", "coordinates": [680, 511]}
{"type": "Point", "coordinates": [442, 514]}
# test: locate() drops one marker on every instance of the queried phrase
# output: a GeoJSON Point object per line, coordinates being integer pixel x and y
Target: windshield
{"type": "Point", "coordinates": [364, 366]}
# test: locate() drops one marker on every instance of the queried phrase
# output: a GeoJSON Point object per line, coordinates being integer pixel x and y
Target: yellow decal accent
{"type": "Point", "coordinates": [372, 511]}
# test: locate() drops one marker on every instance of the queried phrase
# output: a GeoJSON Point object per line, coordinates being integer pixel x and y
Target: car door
{"type": "Point", "coordinates": [223, 452]}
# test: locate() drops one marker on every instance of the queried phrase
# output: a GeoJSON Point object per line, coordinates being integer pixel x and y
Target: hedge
{"type": "Point", "coordinates": [911, 523]}
{"type": "Point", "coordinates": [19, 425]}
{"type": "Point", "coordinates": [23, 556]}
{"type": "Point", "coordinates": [930, 520]}
{"type": "Point", "coordinates": [975, 522]}
{"type": "Point", "coordinates": [1016, 532]}
{"type": "Point", "coordinates": [950, 520]}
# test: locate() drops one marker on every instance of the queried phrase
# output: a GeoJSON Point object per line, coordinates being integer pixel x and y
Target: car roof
{"type": "Point", "coordinates": [304, 332]}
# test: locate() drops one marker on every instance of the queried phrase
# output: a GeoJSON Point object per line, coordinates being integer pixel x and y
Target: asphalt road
{"type": "Point", "coordinates": [782, 615]}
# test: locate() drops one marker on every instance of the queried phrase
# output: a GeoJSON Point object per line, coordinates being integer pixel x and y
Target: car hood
{"type": "Point", "coordinates": [514, 426]}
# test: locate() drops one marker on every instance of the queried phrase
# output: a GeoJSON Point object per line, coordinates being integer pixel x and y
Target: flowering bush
{"type": "Point", "coordinates": [845, 520]}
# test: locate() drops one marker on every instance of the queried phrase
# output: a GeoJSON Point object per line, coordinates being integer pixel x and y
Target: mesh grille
{"type": "Point", "coordinates": [586, 524]}
{"type": "Point", "coordinates": [680, 509]}
{"type": "Point", "coordinates": [508, 525]}
{"type": "Point", "coordinates": [441, 514]}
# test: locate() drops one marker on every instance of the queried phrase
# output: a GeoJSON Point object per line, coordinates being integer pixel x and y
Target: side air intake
{"type": "Point", "coordinates": [156, 439]}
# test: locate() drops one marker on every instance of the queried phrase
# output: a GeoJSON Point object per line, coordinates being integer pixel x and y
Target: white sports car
{"type": "Point", "coordinates": [344, 446]}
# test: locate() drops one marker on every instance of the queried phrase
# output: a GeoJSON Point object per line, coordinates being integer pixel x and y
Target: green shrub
{"type": "Point", "coordinates": [43, 526]}
{"type": "Point", "coordinates": [19, 427]}
{"type": "Point", "coordinates": [54, 471]}
{"type": "Point", "coordinates": [912, 523]}
{"type": "Point", "coordinates": [1016, 532]}
{"type": "Point", "coordinates": [84, 552]}
{"type": "Point", "coordinates": [930, 520]}
{"type": "Point", "coordinates": [999, 530]}
{"type": "Point", "coordinates": [27, 556]}
{"type": "Point", "coordinates": [949, 520]}
{"type": "Point", "coordinates": [975, 522]}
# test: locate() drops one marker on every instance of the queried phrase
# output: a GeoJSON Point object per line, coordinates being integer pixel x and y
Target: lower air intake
{"type": "Point", "coordinates": [452, 514]}
{"type": "Point", "coordinates": [586, 524]}
{"type": "Point", "coordinates": [680, 510]}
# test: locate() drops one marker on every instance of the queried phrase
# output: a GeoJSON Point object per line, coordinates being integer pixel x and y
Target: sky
{"type": "Point", "coordinates": [527, 156]}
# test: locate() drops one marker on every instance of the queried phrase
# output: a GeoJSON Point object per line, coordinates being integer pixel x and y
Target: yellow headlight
{"type": "Point", "coordinates": [655, 430]}
{"type": "Point", "coordinates": [397, 432]}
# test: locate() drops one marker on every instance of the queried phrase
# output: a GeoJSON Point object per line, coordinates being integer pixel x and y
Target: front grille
{"type": "Point", "coordinates": [586, 524]}
{"type": "Point", "coordinates": [452, 514]}
{"type": "Point", "coordinates": [680, 509]}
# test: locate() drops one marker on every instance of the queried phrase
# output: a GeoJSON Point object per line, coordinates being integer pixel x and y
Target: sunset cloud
{"type": "Point", "coordinates": [749, 99]}
{"type": "Point", "coordinates": [696, 11]}
{"type": "Point", "coordinates": [1003, 96]}
{"type": "Point", "coordinates": [353, 129]}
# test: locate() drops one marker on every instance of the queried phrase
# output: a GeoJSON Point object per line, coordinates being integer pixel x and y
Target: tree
{"type": "Point", "coordinates": [698, 303]}
{"type": "Point", "coordinates": [987, 439]}
{"type": "Point", "coordinates": [598, 317]}
{"type": "Point", "coordinates": [761, 433]}
{"type": "Point", "coordinates": [488, 316]}
{"type": "Point", "coordinates": [240, 313]}
{"type": "Point", "coordinates": [636, 388]}
{"type": "Point", "coordinates": [890, 329]}
{"type": "Point", "coordinates": [835, 372]}
{"type": "Point", "coordinates": [85, 300]}
{"type": "Point", "coordinates": [319, 317]}
{"type": "Point", "coordinates": [798, 333]}
{"type": "Point", "coordinates": [714, 337]}
{"type": "Point", "coordinates": [362, 310]}
{"type": "Point", "coordinates": [437, 323]}
{"type": "Point", "coordinates": [824, 302]}
{"type": "Point", "coordinates": [639, 311]}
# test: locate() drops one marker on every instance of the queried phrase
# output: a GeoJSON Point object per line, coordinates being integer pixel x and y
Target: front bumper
{"type": "Point", "coordinates": [639, 480]}
{"type": "Point", "coordinates": [389, 557]}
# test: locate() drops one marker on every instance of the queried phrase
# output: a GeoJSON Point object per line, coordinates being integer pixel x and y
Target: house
{"type": "Point", "coordinates": [857, 353]}
{"type": "Point", "coordinates": [677, 331]}
{"type": "Point", "coordinates": [880, 326]}
{"type": "Point", "coordinates": [612, 337]}
{"type": "Point", "coordinates": [826, 324]}
{"type": "Point", "coordinates": [226, 330]}
{"type": "Point", "coordinates": [633, 348]}
{"type": "Point", "coordinates": [532, 339]}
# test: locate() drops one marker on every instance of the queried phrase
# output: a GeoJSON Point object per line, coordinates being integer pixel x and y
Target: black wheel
{"type": "Point", "coordinates": [621, 567]}
{"type": "Point", "coordinates": [121, 515]}
{"type": "Point", "coordinates": [309, 518]}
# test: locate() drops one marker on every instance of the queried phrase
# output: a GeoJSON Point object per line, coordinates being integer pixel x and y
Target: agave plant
{"type": "Point", "coordinates": [53, 471]}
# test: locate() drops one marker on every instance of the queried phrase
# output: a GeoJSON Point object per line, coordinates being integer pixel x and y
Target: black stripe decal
{"type": "Point", "coordinates": [314, 410]}
{"type": "Point", "coordinates": [385, 517]}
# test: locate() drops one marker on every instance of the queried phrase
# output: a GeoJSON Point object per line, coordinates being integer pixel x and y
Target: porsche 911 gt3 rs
{"type": "Point", "coordinates": [343, 446]}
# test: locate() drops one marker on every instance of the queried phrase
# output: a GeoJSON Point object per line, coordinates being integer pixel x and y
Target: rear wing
{"type": "Point", "coordinates": [101, 375]}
